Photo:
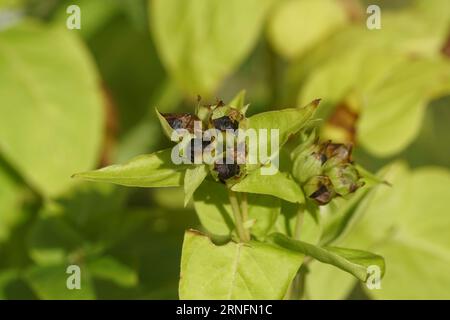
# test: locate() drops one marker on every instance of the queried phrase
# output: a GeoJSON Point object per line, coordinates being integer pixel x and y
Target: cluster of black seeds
{"type": "Point", "coordinates": [186, 121]}
{"type": "Point", "coordinates": [224, 123]}
{"type": "Point", "coordinates": [226, 171]}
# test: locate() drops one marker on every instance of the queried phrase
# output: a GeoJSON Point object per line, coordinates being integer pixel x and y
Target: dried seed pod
{"type": "Point", "coordinates": [336, 153]}
{"type": "Point", "coordinates": [345, 179]}
{"type": "Point", "coordinates": [224, 123]}
{"type": "Point", "coordinates": [193, 150]}
{"type": "Point", "coordinates": [320, 189]}
{"type": "Point", "coordinates": [181, 120]}
{"type": "Point", "coordinates": [226, 171]}
{"type": "Point", "coordinates": [225, 117]}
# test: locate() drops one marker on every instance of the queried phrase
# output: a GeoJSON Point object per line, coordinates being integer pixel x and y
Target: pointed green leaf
{"type": "Point", "coordinates": [280, 185]}
{"type": "Point", "coordinates": [238, 101]}
{"type": "Point", "coordinates": [254, 270]}
{"type": "Point", "coordinates": [167, 129]}
{"type": "Point", "coordinates": [287, 121]}
{"type": "Point", "coordinates": [192, 180]}
{"type": "Point", "coordinates": [152, 170]}
{"type": "Point", "coordinates": [352, 261]}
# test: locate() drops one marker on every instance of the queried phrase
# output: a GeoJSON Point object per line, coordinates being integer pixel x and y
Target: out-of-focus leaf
{"type": "Point", "coordinates": [11, 203]}
{"type": "Point", "coordinates": [236, 270]}
{"type": "Point", "coordinates": [297, 25]}
{"type": "Point", "coordinates": [202, 41]}
{"type": "Point", "coordinates": [153, 170]}
{"type": "Point", "coordinates": [94, 15]}
{"type": "Point", "coordinates": [280, 185]}
{"type": "Point", "coordinates": [326, 282]}
{"type": "Point", "coordinates": [192, 180]}
{"type": "Point", "coordinates": [214, 211]}
{"type": "Point", "coordinates": [393, 111]}
{"type": "Point", "coordinates": [52, 239]}
{"type": "Point", "coordinates": [408, 224]}
{"type": "Point", "coordinates": [352, 261]}
{"type": "Point", "coordinates": [50, 82]}
{"type": "Point", "coordinates": [311, 229]}
{"type": "Point", "coordinates": [108, 268]}
{"type": "Point", "coordinates": [50, 283]}
{"type": "Point", "coordinates": [343, 211]}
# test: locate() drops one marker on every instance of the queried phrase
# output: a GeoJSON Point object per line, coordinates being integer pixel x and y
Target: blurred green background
{"type": "Point", "coordinates": [74, 100]}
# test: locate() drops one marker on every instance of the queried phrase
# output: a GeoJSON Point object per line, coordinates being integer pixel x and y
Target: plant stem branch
{"type": "Point", "coordinates": [244, 207]}
{"type": "Point", "coordinates": [296, 289]}
{"type": "Point", "coordinates": [242, 232]}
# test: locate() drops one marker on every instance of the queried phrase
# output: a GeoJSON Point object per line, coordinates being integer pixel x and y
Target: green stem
{"type": "Point", "coordinates": [242, 232]}
{"type": "Point", "coordinates": [296, 289]}
{"type": "Point", "coordinates": [244, 208]}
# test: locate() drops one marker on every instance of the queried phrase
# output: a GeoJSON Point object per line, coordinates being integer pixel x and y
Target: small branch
{"type": "Point", "coordinates": [296, 289]}
{"type": "Point", "coordinates": [242, 232]}
{"type": "Point", "coordinates": [244, 207]}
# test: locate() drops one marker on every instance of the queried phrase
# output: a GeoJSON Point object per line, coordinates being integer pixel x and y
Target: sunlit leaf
{"type": "Point", "coordinates": [236, 270]}
{"type": "Point", "coordinates": [352, 261]}
{"type": "Point", "coordinates": [153, 170]}
{"type": "Point", "coordinates": [192, 180]}
{"type": "Point", "coordinates": [280, 185]}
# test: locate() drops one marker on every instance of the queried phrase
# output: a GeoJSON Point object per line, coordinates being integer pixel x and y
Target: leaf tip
{"type": "Point", "coordinates": [316, 102]}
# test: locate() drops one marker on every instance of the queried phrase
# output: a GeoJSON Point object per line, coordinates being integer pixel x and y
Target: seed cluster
{"type": "Point", "coordinates": [326, 171]}
{"type": "Point", "coordinates": [219, 117]}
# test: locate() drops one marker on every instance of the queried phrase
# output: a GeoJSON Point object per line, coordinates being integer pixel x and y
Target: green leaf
{"type": "Point", "coordinates": [288, 121]}
{"type": "Point", "coordinates": [286, 224]}
{"type": "Point", "coordinates": [108, 268]}
{"type": "Point", "coordinates": [215, 214]}
{"type": "Point", "coordinates": [49, 283]}
{"type": "Point", "coordinates": [394, 110]}
{"type": "Point", "coordinates": [326, 282]}
{"type": "Point", "coordinates": [234, 271]}
{"type": "Point", "coordinates": [280, 185]}
{"type": "Point", "coordinates": [342, 211]}
{"type": "Point", "coordinates": [238, 102]}
{"type": "Point", "coordinates": [193, 179]}
{"type": "Point", "coordinates": [352, 261]}
{"type": "Point", "coordinates": [297, 25]}
{"type": "Point", "coordinates": [200, 42]}
{"type": "Point", "coordinates": [152, 170]}
{"type": "Point", "coordinates": [50, 82]}
{"type": "Point", "coordinates": [165, 125]}
{"type": "Point", "coordinates": [408, 224]}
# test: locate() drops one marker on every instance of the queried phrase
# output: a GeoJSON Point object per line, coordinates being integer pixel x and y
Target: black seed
{"type": "Point", "coordinates": [175, 123]}
{"type": "Point", "coordinates": [322, 195]}
{"type": "Point", "coordinates": [181, 120]}
{"type": "Point", "coordinates": [226, 171]}
{"type": "Point", "coordinates": [323, 158]}
{"type": "Point", "coordinates": [224, 123]}
{"type": "Point", "coordinates": [203, 143]}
